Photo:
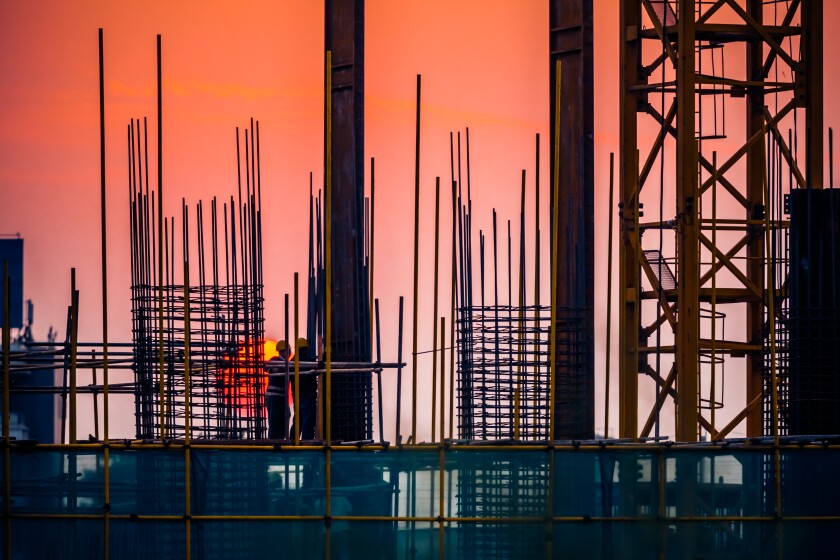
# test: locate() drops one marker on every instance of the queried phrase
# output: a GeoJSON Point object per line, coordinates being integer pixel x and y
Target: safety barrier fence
{"type": "Point", "coordinates": [172, 500]}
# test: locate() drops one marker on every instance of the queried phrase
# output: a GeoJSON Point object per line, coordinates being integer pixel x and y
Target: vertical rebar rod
{"type": "Point", "coordinates": [7, 470]}
{"type": "Point", "coordinates": [160, 220]}
{"type": "Point", "coordinates": [537, 256]}
{"type": "Point", "coordinates": [289, 347]}
{"type": "Point", "coordinates": [442, 386]}
{"type": "Point", "coordinates": [518, 392]}
{"type": "Point", "coordinates": [441, 512]}
{"type": "Point", "coordinates": [74, 335]}
{"type": "Point", "coordinates": [102, 207]}
{"type": "Point", "coordinates": [554, 242]}
{"type": "Point", "coordinates": [416, 265]}
{"type": "Point", "coordinates": [134, 209]}
{"type": "Point", "coordinates": [297, 365]}
{"type": "Point", "coordinates": [511, 389]}
{"type": "Point", "coordinates": [497, 372]}
{"type": "Point", "coordinates": [371, 246]}
{"type": "Point", "coordinates": [435, 307]}
{"type": "Point", "coordinates": [379, 370]}
{"type": "Point", "coordinates": [95, 398]}
{"type": "Point", "coordinates": [187, 405]}
{"type": "Point", "coordinates": [453, 291]}
{"type": "Point", "coordinates": [609, 300]}
{"type": "Point", "coordinates": [397, 435]}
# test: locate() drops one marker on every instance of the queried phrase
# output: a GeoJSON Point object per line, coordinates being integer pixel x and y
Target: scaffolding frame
{"type": "Point", "coordinates": [663, 61]}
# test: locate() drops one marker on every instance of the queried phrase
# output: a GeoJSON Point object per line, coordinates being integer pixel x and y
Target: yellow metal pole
{"type": "Point", "coordinates": [161, 373]}
{"type": "Point", "coordinates": [297, 367]}
{"type": "Point", "coordinates": [187, 404]}
{"type": "Point", "coordinates": [441, 512]}
{"type": "Point", "coordinates": [7, 347]}
{"type": "Point", "coordinates": [661, 507]}
{"type": "Point", "coordinates": [452, 360]}
{"type": "Point", "coordinates": [771, 320]}
{"type": "Point", "coordinates": [328, 265]}
{"type": "Point", "coordinates": [549, 506]}
{"type": "Point", "coordinates": [609, 300]}
{"type": "Point", "coordinates": [554, 242]}
{"type": "Point", "coordinates": [106, 458]}
{"type": "Point", "coordinates": [416, 264]}
{"type": "Point", "coordinates": [370, 248]}
{"type": "Point", "coordinates": [435, 310]}
{"type": "Point", "coordinates": [442, 378]}
{"type": "Point", "coordinates": [714, 298]}
{"type": "Point", "coordinates": [74, 334]}
{"type": "Point", "coordinates": [637, 308]}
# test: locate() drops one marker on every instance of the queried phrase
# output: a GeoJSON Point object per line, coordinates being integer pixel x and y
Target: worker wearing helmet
{"type": "Point", "coordinates": [308, 396]}
{"type": "Point", "coordinates": [276, 394]}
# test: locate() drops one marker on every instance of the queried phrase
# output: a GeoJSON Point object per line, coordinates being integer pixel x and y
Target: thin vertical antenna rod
{"type": "Point", "coordinates": [160, 220]}
{"type": "Point", "coordinates": [609, 300]}
{"type": "Point", "coordinates": [416, 264]}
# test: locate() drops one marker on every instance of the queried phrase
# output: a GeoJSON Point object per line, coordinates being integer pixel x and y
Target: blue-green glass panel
{"type": "Point", "coordinates": [148, 482]}
{"type": "Point", "coordinates": [365, 483]}
{"type": "Point", "coordinates": [242, 482]}
{"type": "Point", "coordinates": [52, 481]}
{"type": "Point", "coordinates": [715, 483]}
{"type": "Point", "coordinates": [810, 482]}
{"type": "Point", "coordinates": [157, 540]}
{"type": "Point", "coordinates": [493, 484]}
{"type": "Point", "coordinates": [36, 538]}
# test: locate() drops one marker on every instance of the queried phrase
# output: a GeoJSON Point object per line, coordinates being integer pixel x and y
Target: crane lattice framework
{"type": "Point", "coordinates": [682, 70]}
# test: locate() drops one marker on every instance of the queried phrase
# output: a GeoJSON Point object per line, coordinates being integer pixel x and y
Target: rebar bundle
{"type": "Point", "coordinates": [221, 311]}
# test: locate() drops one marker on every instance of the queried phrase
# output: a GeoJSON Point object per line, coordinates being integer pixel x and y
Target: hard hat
{"type": "Point", "coordinates": [281, 345]}
{"type": "Point", "coordinates": [302, 343]}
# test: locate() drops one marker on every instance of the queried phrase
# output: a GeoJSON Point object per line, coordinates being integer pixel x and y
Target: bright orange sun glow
{"type": "Point", "coordinates": [245, 379]}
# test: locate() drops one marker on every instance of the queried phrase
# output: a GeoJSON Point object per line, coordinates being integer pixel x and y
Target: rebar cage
{"type": "Point", "coordinates": [227, 378]}
{"type": "Point", "coordinates": [504, 373]}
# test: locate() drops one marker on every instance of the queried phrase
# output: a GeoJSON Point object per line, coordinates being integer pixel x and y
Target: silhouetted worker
{"type": "Point", "coordinates": [276, 395]}
{"type": "Point", "coordinates": [308, 395]}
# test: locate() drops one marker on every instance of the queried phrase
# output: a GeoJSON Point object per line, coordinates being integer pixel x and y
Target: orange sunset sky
{"type": "Point", "coordinates": [484, 65]}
